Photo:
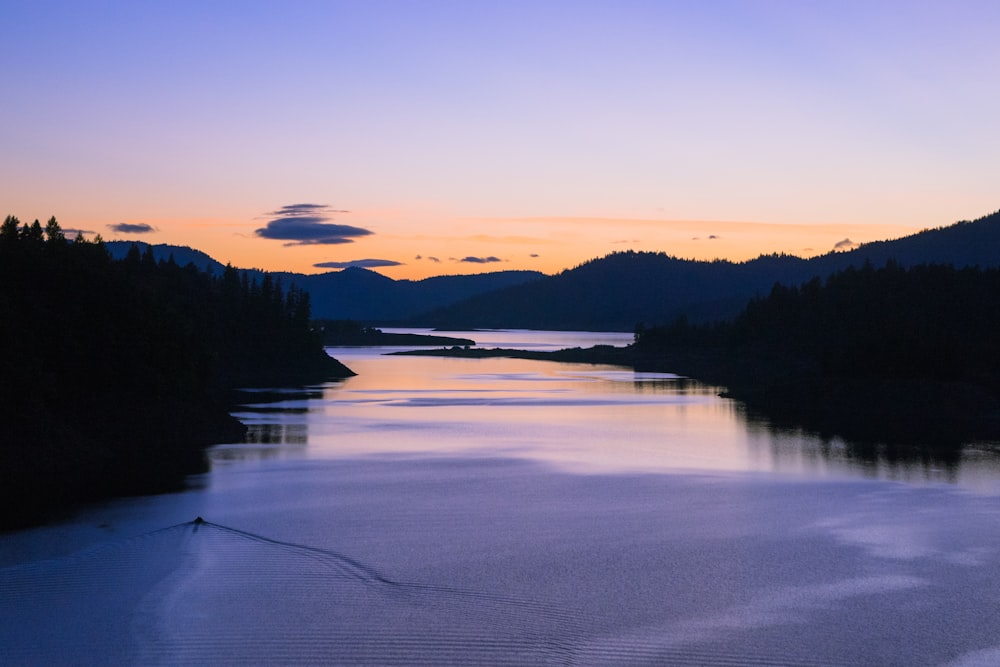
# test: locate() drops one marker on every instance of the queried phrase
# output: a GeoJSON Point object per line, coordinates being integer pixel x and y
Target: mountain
{"type": "Point", "coordinates": [354, 293]}
{"type": "Point", "coordinates": [182, 255]}
{"type": "Point", "coordinates": [613, 293]}
{"type": "Point", "coordinates": [623, 289]}
{"type": "Point", "coordinates": [616, 292]}
{"type": "Point", "coordinates": [364, 295]}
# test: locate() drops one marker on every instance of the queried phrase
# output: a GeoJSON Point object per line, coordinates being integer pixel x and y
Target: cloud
{"type": "Point", "coordinates": [363, 263]}
{"type": "Point", "coordinates": [72, 232]}
{"type": "Point", "coordinates": [481, 260]}
{"type": "Point", "coordinates": [712, 236]}
{"type": "Point", "coordinates": [429, 257]}
{"type": "Point", "coordinates": [133, 228]}
{"type": "Point", "coordinates": [534, 254]}
{"type": "Point", "coordinates": [844, 245]}
{"type": "Point", "coordinates": [306, 224]}
{"type": "Point", "coordinates": [305, 209]}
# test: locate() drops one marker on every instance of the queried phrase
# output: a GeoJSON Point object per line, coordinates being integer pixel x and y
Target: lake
{"type": "Point", "coordinates": [498, 511]}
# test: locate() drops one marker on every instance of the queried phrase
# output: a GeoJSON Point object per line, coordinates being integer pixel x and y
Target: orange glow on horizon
{"type": "Point", "coordinates": [480, 245]}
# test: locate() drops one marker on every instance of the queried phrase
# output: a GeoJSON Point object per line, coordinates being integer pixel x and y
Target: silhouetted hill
{"type": "Point", "coordinates": [965, 243]}
{"type": "Point", "coordinates": [615, 292]}
{"type": "Point", "coordinates": [624, 289]}
{"type": "Point", "coordinates": [354, 293]}
{"type": "Point", "coordinates": [367, 296]}
{"type": "Point", "coordinates": [893, 355]}
{"type": "Point", "coordinates": [611, 293]}
{"type": "Point", "coordinates": [182, 255]}
{"type": "Point", "coordinates": [114, 374]}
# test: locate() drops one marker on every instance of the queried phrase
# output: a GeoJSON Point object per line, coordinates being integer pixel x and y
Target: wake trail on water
{"type": "Point", "coordinates": [205, 593]}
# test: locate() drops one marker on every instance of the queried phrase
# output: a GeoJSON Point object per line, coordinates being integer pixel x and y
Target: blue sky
{"type": "Point", "coordinates": [539, 134]}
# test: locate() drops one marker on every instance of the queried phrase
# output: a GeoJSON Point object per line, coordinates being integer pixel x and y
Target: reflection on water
{"type": "Point", "coordinates": [974, 464]}
{"type": "Point", "coordinates": [277, 425]}
{"type": "Point", "coordinates": [277, 434]}
{"type": "Point", "coordinates": [575, 416]}
{"type": "Point", "coordinates": [421, 513]}
{"type": "Point", "coordinates": [565, 414]}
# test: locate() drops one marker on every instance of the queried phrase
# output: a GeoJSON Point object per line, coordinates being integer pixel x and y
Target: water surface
{"type": "Point", "coordinates": [493, 511]}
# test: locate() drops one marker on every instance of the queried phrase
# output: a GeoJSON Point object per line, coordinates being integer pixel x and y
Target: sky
{"type": "Point", "coordinates": [434, 137]}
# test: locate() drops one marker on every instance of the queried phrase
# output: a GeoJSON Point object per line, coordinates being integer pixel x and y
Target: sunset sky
{"type": "Point", "coordinates": [440, 137]}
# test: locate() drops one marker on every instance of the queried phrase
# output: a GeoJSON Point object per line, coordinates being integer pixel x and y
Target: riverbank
{"type": "Point", "coordinates": [878, 415]}
{"type": "Point", "coordinates": [115, 373]}
{"type": "Point", "coordinates": [598, 354]}
{"type": "Point", "coordinates": [109, 444]}
{"type": "Point", "coordinates": [348, 333]}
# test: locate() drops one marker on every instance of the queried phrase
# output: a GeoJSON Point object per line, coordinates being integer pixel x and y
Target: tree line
{"type": "Point", "coordinates": [115, 373]}
{"type": "Point", "coordinates": [891, 353]}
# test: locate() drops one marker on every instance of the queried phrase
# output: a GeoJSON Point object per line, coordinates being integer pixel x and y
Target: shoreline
{"type": "Point", "coordinates": [898, 417]}
{"type": "Point", "coordinates": [148, 446]}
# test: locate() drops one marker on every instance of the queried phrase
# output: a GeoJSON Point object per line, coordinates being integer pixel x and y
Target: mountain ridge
{"type": "Point", "coordinates": [353, 293]}
{"type": "Point", "coordinates": [626, 289]}
{"type": "Point", "coordinates": [617, 292]}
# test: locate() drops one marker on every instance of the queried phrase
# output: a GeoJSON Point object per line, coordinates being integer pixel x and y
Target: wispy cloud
{"type": "Point", "coordinates": [429, 258]}
{"type": "Point", "coordinates": [846, 244]}
{"type": "Point", "coordinates": [132, 228]}
{"type": "Point", "coordinates": [307, 224]}
{"type": "Point", "coordinates": [72, 232]}
{"type": "Point", "coordinates": [481, 260]}
{"type": "Point", "coordinates": [362, 263]}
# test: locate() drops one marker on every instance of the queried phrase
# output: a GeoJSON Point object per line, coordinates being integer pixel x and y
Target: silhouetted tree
{"type": "Point", "coordinates": [113, 375]}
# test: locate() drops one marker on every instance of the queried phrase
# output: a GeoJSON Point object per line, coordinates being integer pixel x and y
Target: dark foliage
{"type": "Point", "coordinates": [364, 295]}
{"type": "Point", "coordinates": [609, 294]}
{"type": "Point", "coordinates": [115, 373]}
{"type": "Point", "coordinates": [356, 293]}
{"type": "Point", "coordinates": [182, 255]}
{"type": "Point", "coordinates": [616, 291]}
{"type": "Point", "coordinates": [891, 354]}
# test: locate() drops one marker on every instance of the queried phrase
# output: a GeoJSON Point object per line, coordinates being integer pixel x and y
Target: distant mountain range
{"type": "Point", "coordinates": [613, 293]}
{"type": "Point", "coordinates": [621, 290]}
{"type": "Point", "coordinates": [366, 296]}
{"type": "Point", "coordinates": [355, 293]}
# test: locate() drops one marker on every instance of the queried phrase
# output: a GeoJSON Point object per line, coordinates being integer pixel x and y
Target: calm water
{"type": "Point", "coordinates": [496, 511]}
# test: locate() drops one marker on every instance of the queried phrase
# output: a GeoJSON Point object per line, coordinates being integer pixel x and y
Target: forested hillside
{"type": "Point", "coordinates": [114, 373]}
{"type": "Point", "coordinates": [618, 291]}
{"type": "Point", "coordinates": [182, 255]}
{"type": "Point", "coordinates": [615, 292]}
{"type": "Point", "coordinates": [906, 354]}
{"type": "Point", "coordinates": [355, 293]}
{"type": "Point", "coordinates": [624, 289]}
{"type": "Point", "coordinates": [366, 296]}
